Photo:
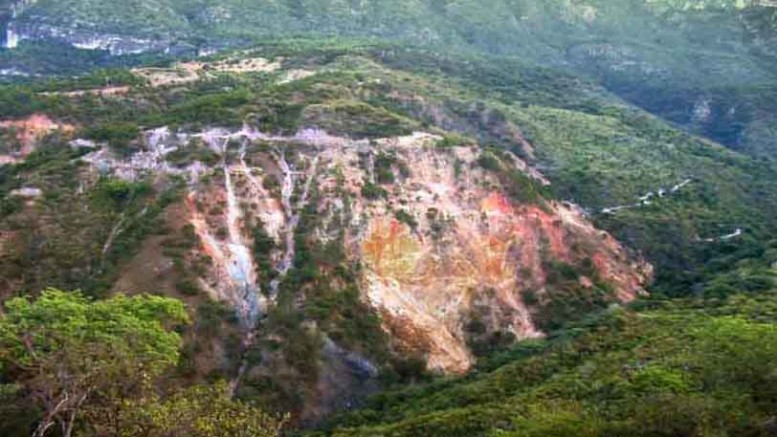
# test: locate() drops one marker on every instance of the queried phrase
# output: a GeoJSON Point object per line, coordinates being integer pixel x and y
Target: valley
{"type": "Point", "coordinates": [358, 235]}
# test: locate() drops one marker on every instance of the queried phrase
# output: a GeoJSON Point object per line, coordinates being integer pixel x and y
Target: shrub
{"type": "Point", "coordinates": [373, 192]}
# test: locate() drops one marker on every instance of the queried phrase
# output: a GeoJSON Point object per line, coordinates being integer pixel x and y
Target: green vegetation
{"type": "Point", "coordinates": [550, 82]}
{"type": "Point", "coordinates": [75, 236]}
{"type": "Point", "coordinates": [197, 151]}
{"type": "Point", "coordinates": [357, 120]}
{"type": "Point", "coordinates": [69, 353]}
{"type": "Point", "coordinates": [373, 192]}
{"type": "Point", "coordinates": [94, 368]}
{"type": "Point", "coordinates": [673, 368]}
{"type": "Point", "coordinates": [263, 248]}
{"type": "Point", "coordinates": [668, 57]}
{"type": "Point", "coordinates": [118, 136]}
{"type": "Point", "coordinates": [519, 186]}
{"type": "Point", "coordinates": [384, 168]}
{"type": "Point", "coordinates": [404, 217]}
{"type": "Point", "coordinates": [201, 411]}
{"type": "Point", "coordinates": [570, 300]}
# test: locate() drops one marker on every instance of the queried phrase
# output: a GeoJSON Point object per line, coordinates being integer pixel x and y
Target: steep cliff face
{"type": "Point", "coordinates": [86, 39]}
{"type": "Point", "coordinates": [22, 21]}
{"type": "Point", "coordinates": [436, 238]}
{"type": "Point", "coordinates": [9, 12]}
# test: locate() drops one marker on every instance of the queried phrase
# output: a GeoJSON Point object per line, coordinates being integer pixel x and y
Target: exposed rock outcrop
{"type": "Point", "coordinates": [435, 234]}
{"type": "Point", "coordinates": [17, 31]}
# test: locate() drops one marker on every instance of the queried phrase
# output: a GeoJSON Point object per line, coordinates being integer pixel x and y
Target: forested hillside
{"type": "Point", "coordinates": [371, 218]}
{"type": "Point", "coordinates": [673, 368]}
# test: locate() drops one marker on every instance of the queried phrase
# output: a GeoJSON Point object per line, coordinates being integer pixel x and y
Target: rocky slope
{"type": "Point", "coordinates": [430, 234]}
{"type": "Point", "coordinates": [338, 222]}
{"type": "Point", "coordinates": [437, 239]}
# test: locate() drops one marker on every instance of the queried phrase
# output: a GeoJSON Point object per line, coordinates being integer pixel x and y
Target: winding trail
{"type": "Point", "coordinates": [647, 199]}
{"type": "Point", "coordinates": [728, 237]}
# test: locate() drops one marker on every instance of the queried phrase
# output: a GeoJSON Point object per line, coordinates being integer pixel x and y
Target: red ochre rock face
{"type": "Point", "coordinates": [475, 247]}
{"type": "Point", "coordinates": [493, 256]}
{"type": "Point", "coordinates": [437, 240]}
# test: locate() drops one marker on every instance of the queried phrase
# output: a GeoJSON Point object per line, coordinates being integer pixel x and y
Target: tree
{"type": "Point", "coordinates": [72, 354]}
{"type": "Point", "coordinates": [118, 135]}
{"type": "Point", "coordinates": [200, 411]}
{"type": "Point", "coordinates": [738, 355]}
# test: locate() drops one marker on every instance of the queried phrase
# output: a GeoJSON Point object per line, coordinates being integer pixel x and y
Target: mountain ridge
{"type": "Point", "coordinates": [712, 54]}
{"type": "Point", "coordinates": [340, 217]}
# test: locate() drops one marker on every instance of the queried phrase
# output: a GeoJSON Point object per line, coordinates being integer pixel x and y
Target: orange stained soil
{"type": "Point", "coordinates": [32, 129]}
{"type": "Point", "coordinates": [102, 92]}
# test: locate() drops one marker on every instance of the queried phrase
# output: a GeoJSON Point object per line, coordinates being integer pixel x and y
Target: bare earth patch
{"type": "Point", "coordinates": [28, 132]}
{"type": "Point", "coordinates": [438, 239]}
{"type": "Point", "coordinates": [101, 92]}
{"type": "Point", "coordinates": [187, 72]}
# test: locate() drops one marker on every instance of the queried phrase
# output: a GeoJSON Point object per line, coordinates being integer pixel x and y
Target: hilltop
{"type": "Point", "coordinates": [348, 218]}
{"type": "Point", "coordinates": [416, 218]}
{"type": "Point", "coordinates": [706, 66]}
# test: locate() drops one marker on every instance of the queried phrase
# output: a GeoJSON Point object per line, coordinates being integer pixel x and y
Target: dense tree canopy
{"type": "Point", "coordinates": [93, 367]}
{"type": "Point", "coordinates": [682, 369]}
{"type": "Point", "coordinates": [72, 354]}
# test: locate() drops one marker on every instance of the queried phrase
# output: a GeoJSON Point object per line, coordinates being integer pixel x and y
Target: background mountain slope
{"type": "Point", "coordinates": [708, 66]}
